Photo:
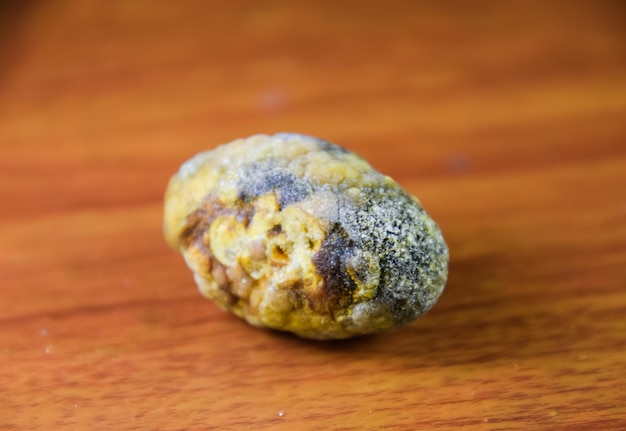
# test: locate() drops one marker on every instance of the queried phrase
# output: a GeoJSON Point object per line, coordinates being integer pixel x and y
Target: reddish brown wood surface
{"type": "Point", "coordinates": [506, 119]}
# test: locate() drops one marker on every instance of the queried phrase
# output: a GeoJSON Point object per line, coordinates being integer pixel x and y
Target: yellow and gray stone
{"type": "Point", "coordinates": [294, 233]}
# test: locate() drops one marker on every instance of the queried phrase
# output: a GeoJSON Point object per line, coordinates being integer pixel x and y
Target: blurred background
{"type": "Point", "coordinates": [506, 119]}
{"type": "Point", "coordinates": [128, 90]}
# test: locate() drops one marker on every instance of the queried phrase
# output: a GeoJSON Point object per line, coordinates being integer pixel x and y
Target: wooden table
{"type": "Point", "coordinates": [506, 119]}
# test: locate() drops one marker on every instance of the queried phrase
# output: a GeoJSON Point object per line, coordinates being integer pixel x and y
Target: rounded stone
{"type": "Point", "coordinates": [294, 233]}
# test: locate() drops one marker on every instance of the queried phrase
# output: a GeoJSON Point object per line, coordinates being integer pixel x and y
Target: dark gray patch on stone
{"type": "Point", "coordinates": [322, 144]}
{"type": "Point", "coordinates": [394, 227]}
{"type": "Point", "coordinates": [261, 178]}
{"type": "Point", "coordinates": [330, 147]}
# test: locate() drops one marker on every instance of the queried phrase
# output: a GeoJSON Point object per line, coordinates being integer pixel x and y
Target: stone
{"type": "Point", "coordinates": [294, 233]}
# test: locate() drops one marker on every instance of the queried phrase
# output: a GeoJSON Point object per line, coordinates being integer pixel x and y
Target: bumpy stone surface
{"type": "Point", "coordinates": [293, 233]}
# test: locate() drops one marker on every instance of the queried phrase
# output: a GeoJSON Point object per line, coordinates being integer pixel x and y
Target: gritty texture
{"type": "Point", "coordinates": [297, 234]}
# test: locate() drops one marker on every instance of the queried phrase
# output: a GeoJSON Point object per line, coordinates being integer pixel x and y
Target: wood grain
{"type": "Point", "coordinates": [505, 118]}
